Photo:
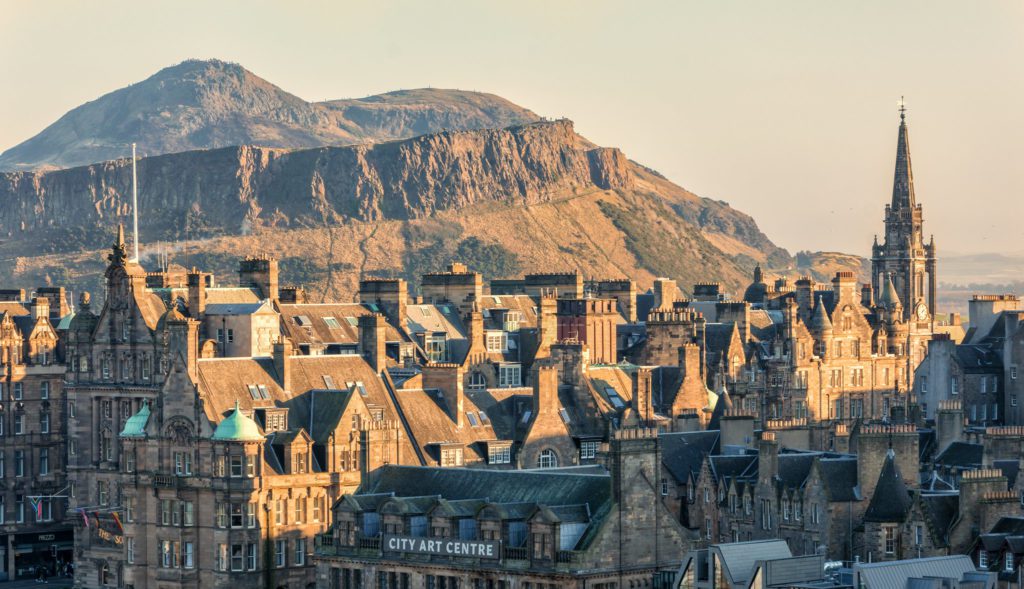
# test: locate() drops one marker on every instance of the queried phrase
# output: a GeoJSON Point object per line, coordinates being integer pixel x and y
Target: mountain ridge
{"type": "Point", "coordinates": [203, 104]}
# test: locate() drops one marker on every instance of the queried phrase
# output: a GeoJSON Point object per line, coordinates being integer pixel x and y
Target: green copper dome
{"type": "Point", "coordinates": [238, 428]}
{"type": "Point", "coordinates": [135, 427]}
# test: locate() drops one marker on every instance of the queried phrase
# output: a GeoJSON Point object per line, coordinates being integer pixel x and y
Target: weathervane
{"type": "Point", "coordinates": [903, 109]}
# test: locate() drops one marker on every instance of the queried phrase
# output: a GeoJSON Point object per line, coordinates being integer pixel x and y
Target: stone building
{"type": "Point", "coordinates": [194, 468]}
{"type": "Point", "coordinates": [33, 484]}
{"type": "Point", "coordinates": [424, 527]}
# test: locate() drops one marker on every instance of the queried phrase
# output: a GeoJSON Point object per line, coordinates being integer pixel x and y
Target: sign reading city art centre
{"type": "Point", "coordinates": [443, 546]}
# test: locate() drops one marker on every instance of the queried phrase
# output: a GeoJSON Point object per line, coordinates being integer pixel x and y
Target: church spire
{"type": "Point", "coordinates": [903, 179]}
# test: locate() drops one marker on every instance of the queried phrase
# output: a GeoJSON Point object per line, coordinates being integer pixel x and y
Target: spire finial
{"type": "Point", "coordinates": [903, 109]}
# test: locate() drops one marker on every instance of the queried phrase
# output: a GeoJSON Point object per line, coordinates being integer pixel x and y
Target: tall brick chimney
{"type": "Point", "coordinates": [196, 293]}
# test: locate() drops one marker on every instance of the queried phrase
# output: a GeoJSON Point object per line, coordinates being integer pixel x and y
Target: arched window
{"type": "Point", "coordinates": [547, 459]}
{"type": "Point", "coordinates": [104, 574]}
{"type": "Point", "coordinates": [477, 381]}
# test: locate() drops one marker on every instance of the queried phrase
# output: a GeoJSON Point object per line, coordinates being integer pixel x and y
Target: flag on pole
{"type": "Point", "coordinates": [37, 506]}
{"type": "Point", "coordinates": [117, 520]}
{"type": "Point", "coordinates": [85, 518]}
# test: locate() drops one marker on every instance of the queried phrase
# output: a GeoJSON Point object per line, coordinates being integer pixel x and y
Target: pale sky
{"type": "Point", "coordinates": [784, 109]}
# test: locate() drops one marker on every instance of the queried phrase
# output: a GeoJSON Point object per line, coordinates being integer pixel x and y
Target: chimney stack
{"type": "Point", "coordinates": [373, 340]}
{"type": "Point", "coordinates": [196, 294]}
{"type": "Point", "coordinates": [282, 362]}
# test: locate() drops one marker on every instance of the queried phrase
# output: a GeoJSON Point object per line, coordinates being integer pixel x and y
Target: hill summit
{"type": "Point", "coordinates": [210, 104]}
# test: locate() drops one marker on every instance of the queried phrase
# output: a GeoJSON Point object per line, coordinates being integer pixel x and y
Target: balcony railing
{"type": "Point", "coordinates": [516, 553]}
{"type": "Point", "coordinates": [165, 480]}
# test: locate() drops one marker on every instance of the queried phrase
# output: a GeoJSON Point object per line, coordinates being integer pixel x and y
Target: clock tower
{"type": "Point", "coordinates": [903, 256]}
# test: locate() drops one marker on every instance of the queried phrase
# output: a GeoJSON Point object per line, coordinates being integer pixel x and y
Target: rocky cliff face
{"type": "Point", "coordinates": [529, 197]}
{"type": "Point", "coordinates": [236, 189]}
{"type": "Point", "coordinates": [212, 104]}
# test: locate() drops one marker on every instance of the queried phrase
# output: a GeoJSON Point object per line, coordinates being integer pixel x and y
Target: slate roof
{"type": "Point", "coordinates": [683, 453]}
{"type": "Point", "coordinates": [978, 358]}
{"type": "Point", "coordinates": [840, 476]}
{"type": "Point", "coordinates": [795, 467]}
{"type": "Point", "coordinates": [318, 330]}
{"type": "Point", "coordinates": [1010, 470]}
{"type": "Point", "coordinates": [941, 509]}
{"type": "Point", "coordinates": [440, 318]}
{"type": "Point", "coordinates": [891, 501]}
{"type": "Point", "coordinates": [962, 454]}
{"type": "Point", "coordinates": [237, 308]}
{"type": "Point", "coordinates": [734, 466]}
{"type": "Point", "coordinates": [522, 303]}
{"type": "Point", "coordinates": [430, 421]}
{"type": "Point", "coordinates": [499, 486]}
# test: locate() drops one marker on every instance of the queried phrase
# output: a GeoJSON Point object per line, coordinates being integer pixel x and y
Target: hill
{"type": "Point", "coordinates": [534, 197]}
{"type": "Point", "coordinates": [211, 104]}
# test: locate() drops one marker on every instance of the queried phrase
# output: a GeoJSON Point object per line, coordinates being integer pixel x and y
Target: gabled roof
{"type": "Point", "coordinates": [941, 509]}
{"type": "Point", "coordinates": [896, 574]}
{"type": "Point", "coordinates": [683, 453]}
{"type": "Point", "coordinates": [328, 323]}
{"type": "Point", "coordinates": [430, 421]}
{"type": "Point", "coordinates": [840, 477]}
{"type": "Point", "coordinates": [891, 501]}
{"type": "Point", "coordinates": [739, 558]}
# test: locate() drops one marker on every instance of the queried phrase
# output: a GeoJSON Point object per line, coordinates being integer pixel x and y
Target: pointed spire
{"type": "Point", "coordinates": [890, 502]}
{"type": "Point", "coordinates": [119, 253]}
{"type": "Point", "coordinates": [820, 322]}
{"type": "Point", "coordinates": [903, 179]}
{"type": "Point", "coordinates": [888, 297]}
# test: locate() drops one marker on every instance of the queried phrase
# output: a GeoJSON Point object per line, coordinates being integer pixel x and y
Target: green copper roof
{"type": "Point", "coordinates": [238, 428]}
{"type": "Point", "coordinates": [135, 427]}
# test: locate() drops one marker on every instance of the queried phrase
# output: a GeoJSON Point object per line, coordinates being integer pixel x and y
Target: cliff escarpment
{"type": "Point", "coordinates": [238, 189]}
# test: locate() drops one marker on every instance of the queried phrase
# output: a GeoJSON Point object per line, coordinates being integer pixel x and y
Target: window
{"type": "Point", "coordinates": [1013, 400]}
{"type": "Point", "coordinates": [815, 514]}
{"type": "Point", "coordinates": [17, 391]}
{"type": "Point", "coordinates": [279, 553]}
{"type": "Point", "coordinates": [19, 424]}
{"type": "Point", "coordinates": [799, 409]}
{"type": "Point", "coordinates": [477, 381]}
{"type": "Point", "coordinates": [497, 341]}
{"type": "Point", "coordinates": [237, 516]}
{"type": "Point", "coordinates": [44, 461]}
{"type": "Point", "coordinates": [71, 409]}
{"type": "Point", "coordinates": [983, 384]}
{"type": "Point", "coordinates": [250, 467]}
{"type": "Point", "coordinates": [19, 508]}
{"type": "Point", "coordinates": [183, 463]}
{"type": "Point", "coordinates": [231, 336]}
{"type": "Point", "coordinates": [707, 527]}
{"type": "Point", "coordinates": [1008, 566]}
{"type": "Point", "coordinates": [856, 408]}
{"type": "Point", "coordinates": [250, 515]}
{"type": "Point", "coordinates": [222, 515]}
{"type": "Point", "coordinates": [954, 386]}
{"type": "Point", "coordinates": [188, 557]}
{"type": "Point", "coordinates": [588, 449]}
{"type": "Point", "coordinates": [300, 510]}
{"type": "Point", "coordinates": [250, 556]}
{"type": "Point", "coordinates": [1013, 373]}
{"type": "Point", "coordinates": [982, 559]}
{"type": "Point", "coordinates": [236, 557]}
{"type": "Point", "coordinates": [547, 459]}
{"type": "Point", "coordinates": [222, 557]}
{"type": "Point", "coordinates": [499, 454]}
{"type": "Point", "coordinates": [890, 539]}
{"type": "Point", "coordinates": [786, 506]}
{"type": "Point", "coordinates": [44, 423]}
{"type": "Point", "coordinates": [918, 535]}
{"type": "Point", "coordinates": [839, 409]}
{"type": "Point", "coordinates": [451, 457]}
{"type": "Point", "coordinates": [509, 375]}
{"type": "Point", "coordinates": [236, 466]}
{"type": "Point", "coordinates": [167, 556]}
{"type": "Point", "coordinates": [129, 509]}
{"type": "Point", "coordinates": [317, 509]}
{"type": "Point", "coordinates": [766, 514]}
{"type": "Point", "coordinates": [748, 505]}
{"type": "Point", "coordinates": [3, 469]}
{"type": "Point", "coordinates": [436, 347]}
{"type": "Point", "coordinates": [188, 517]}
{"type": "Point", "coordinates": [44, 390]}
{"type": "Point", "coordinates": [129, 547]}
{"type": "Point", "coordinates": [665, 488]}
{"type": "Point", "coordinates": [19, 463]}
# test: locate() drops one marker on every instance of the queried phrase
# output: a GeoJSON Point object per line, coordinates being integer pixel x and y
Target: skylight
{"type": "Point", "coordinates": [328, 381]}
{"type": "Point", "coordinates": [472, 419]}
{"type": "Point", "coordinates": [254, 392]}
{"type": "Point", "coordinates": [264, 392]}
{"type": "Point", "coordinates": [332, 322]}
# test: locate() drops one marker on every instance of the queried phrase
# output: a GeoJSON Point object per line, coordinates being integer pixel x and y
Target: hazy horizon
{"type": "Point", "coordinates": [785, 110]}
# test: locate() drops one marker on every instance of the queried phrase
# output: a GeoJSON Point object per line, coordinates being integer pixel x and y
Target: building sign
{"type": "Point", "coordinates": [442, 547]}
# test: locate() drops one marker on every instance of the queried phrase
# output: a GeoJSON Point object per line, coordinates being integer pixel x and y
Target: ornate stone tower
{"type": "Point", "coordinates": [903, 256]}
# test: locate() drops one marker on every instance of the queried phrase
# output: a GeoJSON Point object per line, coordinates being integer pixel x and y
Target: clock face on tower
{"type": "Point", "coordinates": [922, 311]}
